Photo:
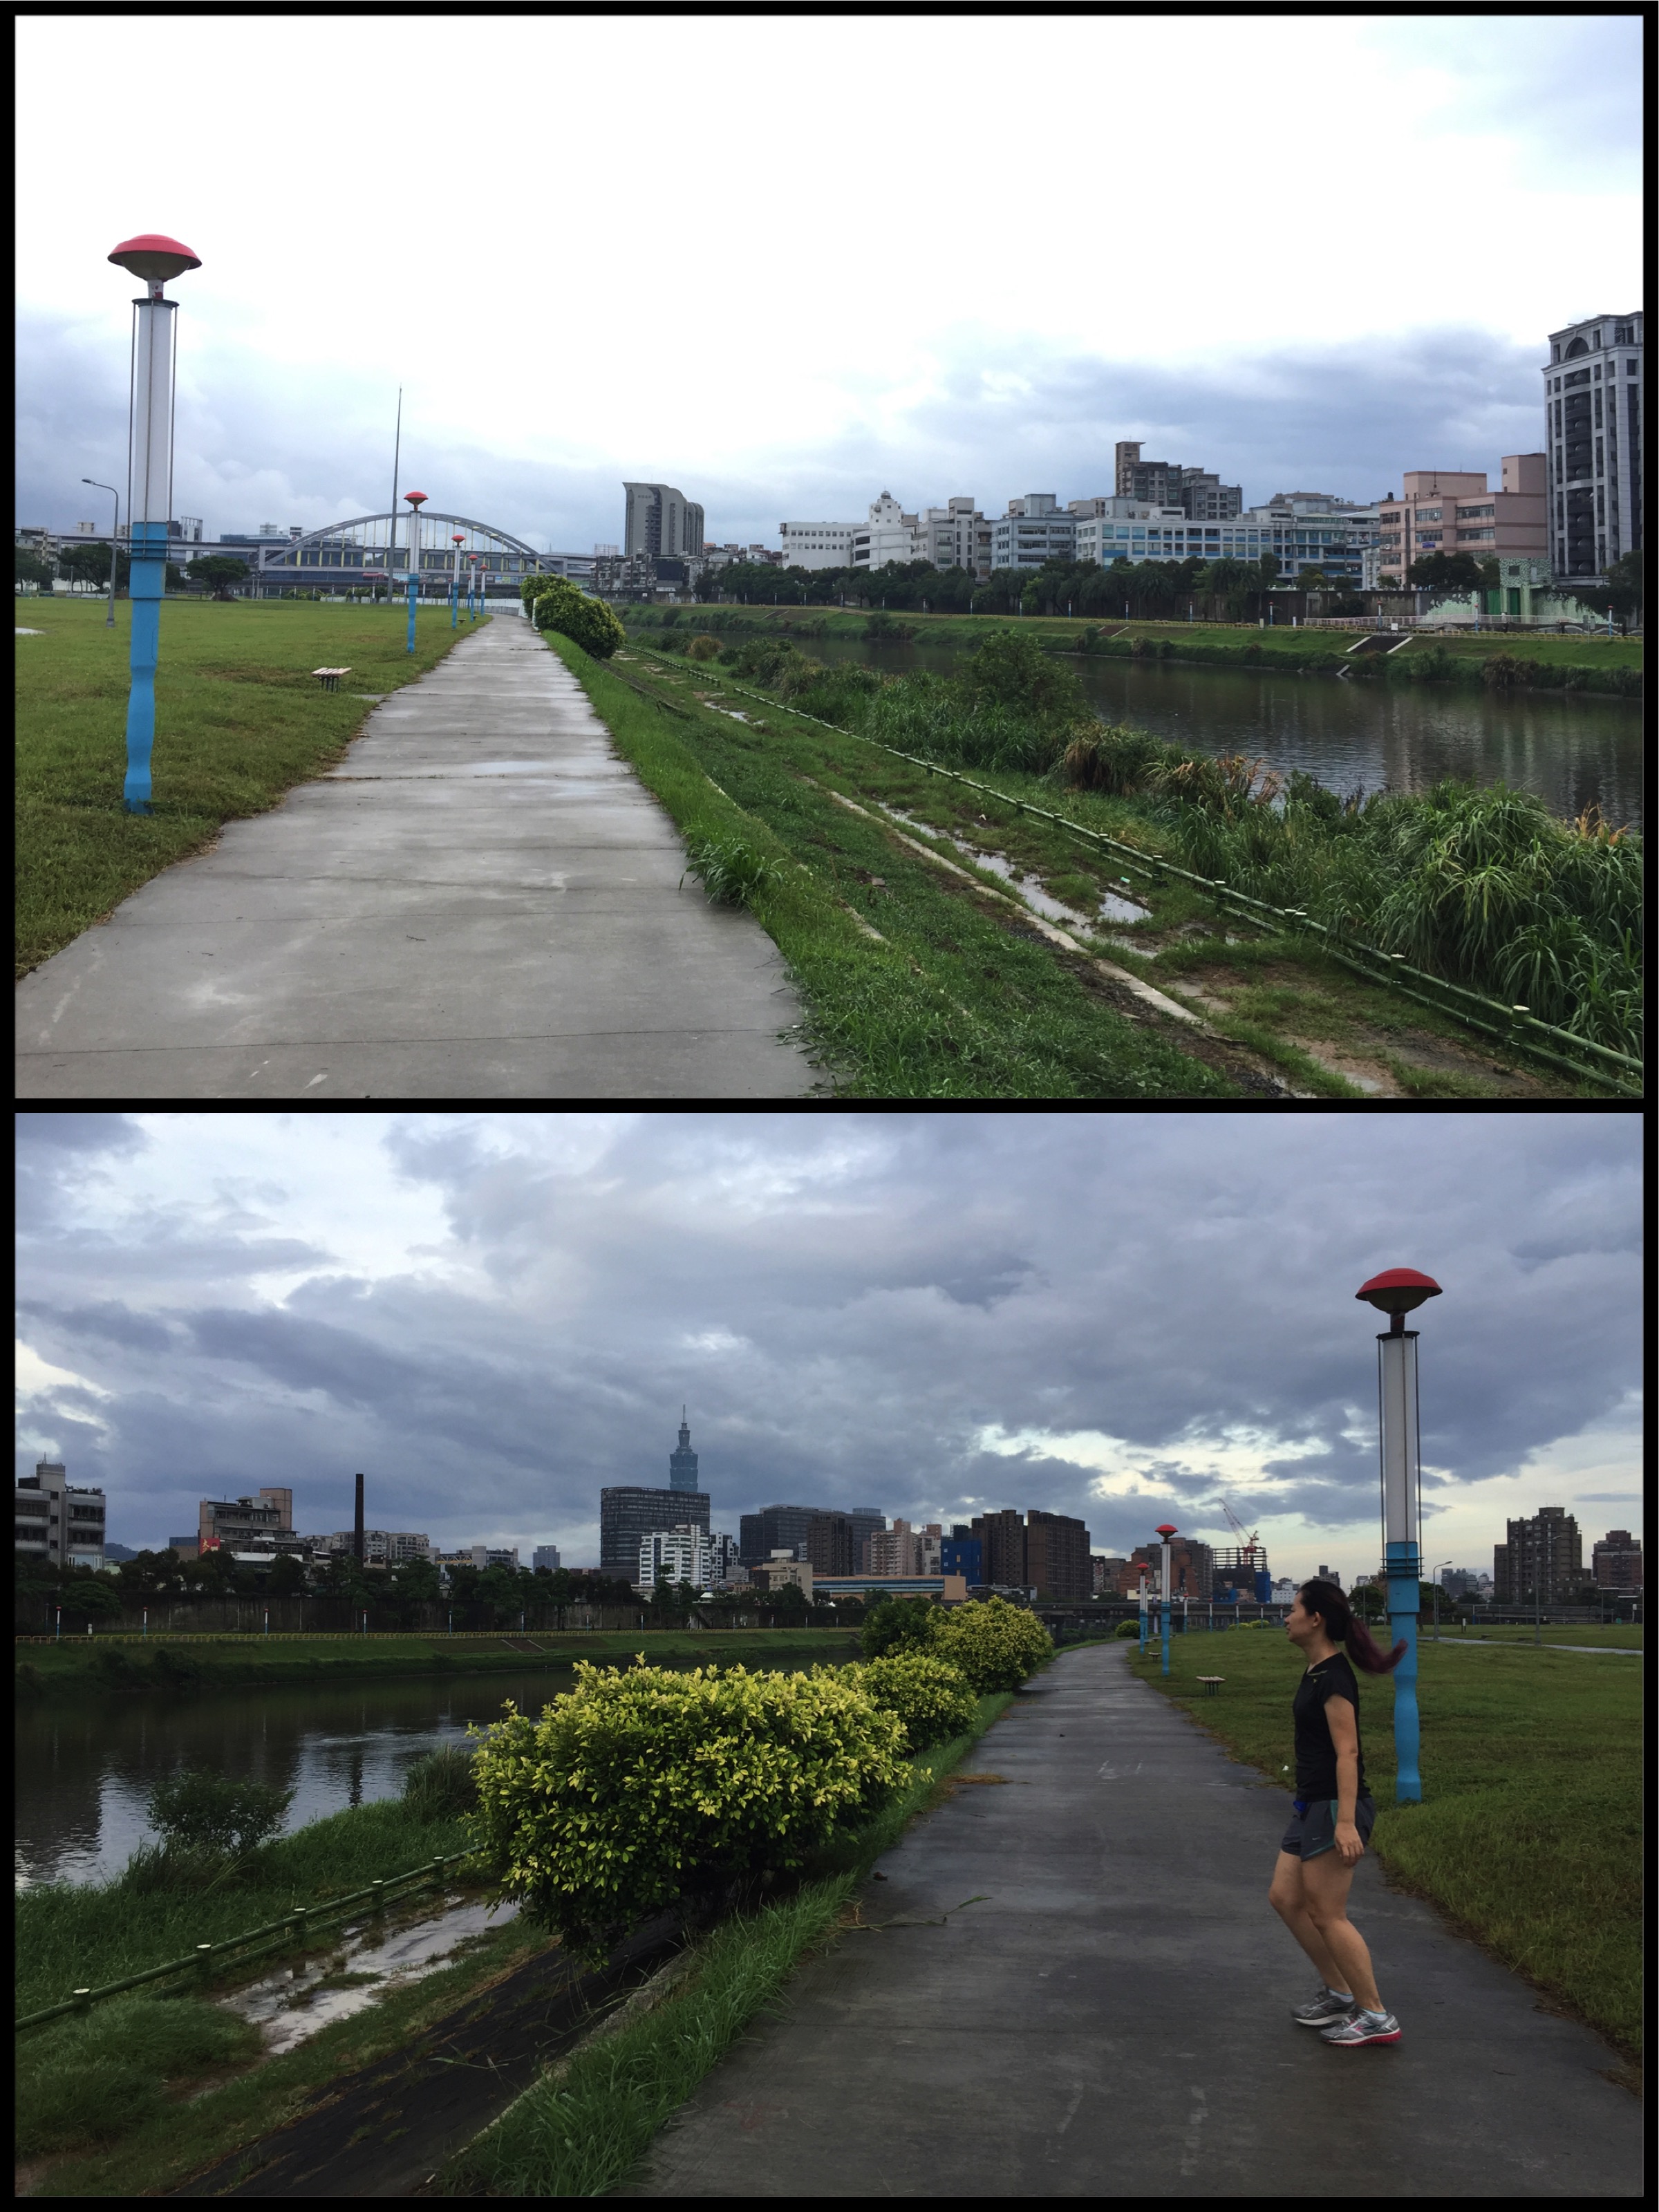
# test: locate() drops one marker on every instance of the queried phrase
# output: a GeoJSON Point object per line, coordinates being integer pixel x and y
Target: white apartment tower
{"type": "Point", "coordinates": [1593, 445]}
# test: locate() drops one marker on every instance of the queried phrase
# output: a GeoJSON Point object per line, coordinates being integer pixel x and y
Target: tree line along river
{"type": "Point", "coordinates": [1572, 751]}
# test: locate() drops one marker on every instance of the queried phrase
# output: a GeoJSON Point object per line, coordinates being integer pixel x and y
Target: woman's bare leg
{"type": "Point", "coordinates": [1288, 1901]}
{"type": "Point", "coordinates": [1325, 1882]}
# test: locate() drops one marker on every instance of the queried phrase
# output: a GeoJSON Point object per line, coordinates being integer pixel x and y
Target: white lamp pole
{"type": "Point", "coordinates": [1166, 1530]}
{"type": "Point", "coordinates": [414, 500]}
{"type": "Point", "coordinates": [152, 259]}
{"type": "Point", "coordinates": [1396, 1292]}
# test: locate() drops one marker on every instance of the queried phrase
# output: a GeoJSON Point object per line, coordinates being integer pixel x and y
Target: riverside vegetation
{"type": "Point", "coordinates": [639, 1789]}
{"type": "Point", "coordinates": [1484, 887]}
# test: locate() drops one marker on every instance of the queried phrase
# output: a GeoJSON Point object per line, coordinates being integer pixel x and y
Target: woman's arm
{"type": "Point", "coordinates": [1344, 1725]}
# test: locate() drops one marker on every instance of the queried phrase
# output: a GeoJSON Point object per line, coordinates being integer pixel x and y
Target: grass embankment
{"type": "Point", "coordinates": [1529, 1834]}
{"type": "Point", "coordinates": [90, 2079]}
{"type": "Point", "coordinates": [579, 2133]}
{"type": "Point", "coordinates": [916, 985]}
{"type": "Point", "coordinates": [1621, 1636]}
{"type": "Point", "coordinates": [959, 995]}
{"type": "Point", "coordinates": [183, 1663]}
{"type": "Point", "coordinates": [1605, 665]}
{"type": "Point", "coordinates": [240, 719]}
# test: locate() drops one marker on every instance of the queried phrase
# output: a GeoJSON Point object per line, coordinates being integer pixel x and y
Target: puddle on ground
{"type": "Point", "coordinates": [290, 2006]}
{"type": "Point", "coordinates": [1112, 907]}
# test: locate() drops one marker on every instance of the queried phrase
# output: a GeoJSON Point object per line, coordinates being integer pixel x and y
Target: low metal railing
{"type": "Point", "coordinates": [275, 1936]}
{"type": "Point", "coordinates": [1516, 1029]}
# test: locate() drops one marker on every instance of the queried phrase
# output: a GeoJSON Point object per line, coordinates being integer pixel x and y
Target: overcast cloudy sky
{"type": "Point", "coordinates": [1126, 1316]}
{"type": "Point", "coordinates": [786, 262]}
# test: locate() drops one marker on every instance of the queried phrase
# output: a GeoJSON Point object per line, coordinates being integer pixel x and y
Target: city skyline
{"type": "Point", "coordinates": [1125, 1320]}
{"type": "Point", "coordinates": [1008, 354]}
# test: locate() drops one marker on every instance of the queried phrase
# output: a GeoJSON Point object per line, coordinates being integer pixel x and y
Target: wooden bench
{"type": "Point", "coordinates": [330, 678]}
{"type": "Point", "coordinates": [1212, 1683]}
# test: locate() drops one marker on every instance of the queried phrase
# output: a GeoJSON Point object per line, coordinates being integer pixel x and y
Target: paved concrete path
{"type": "Point", "coordinates": [480, 903]}
{"type": "Point", "coordinates": [1114, 2018]}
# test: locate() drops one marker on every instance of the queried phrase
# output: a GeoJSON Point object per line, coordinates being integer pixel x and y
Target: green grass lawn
{"type": "Point", "coordinates": [958, 996]}
{"type": "Point", "coordinates": [1530, 1833]}
{"type": "Point", "coordinates": [1623, 1636]}
{"type": "Point", "coordinates": [92, 1668]}
{"type": "Point", "coordinates": [240, 719]}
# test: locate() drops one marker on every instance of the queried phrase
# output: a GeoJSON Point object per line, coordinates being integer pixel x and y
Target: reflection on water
{"type": "Point", "coordinates": [1375, 736]}
{"type": "Point", "coordinates": [85, 1771]}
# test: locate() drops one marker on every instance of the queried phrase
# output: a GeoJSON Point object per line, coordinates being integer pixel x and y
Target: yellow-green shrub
{"type": "Point", "coordinates": [930, 1696]}
{"type": "Point", "coordinates": [995, 1644]}
{"type": "Point", "coordinates": [555, 603]}
{"type": "Point", "coordinates": [642, 1788]}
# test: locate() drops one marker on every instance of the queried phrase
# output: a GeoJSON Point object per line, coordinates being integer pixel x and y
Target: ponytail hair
{"type": "Point", "coordinates": [1343, 1627]}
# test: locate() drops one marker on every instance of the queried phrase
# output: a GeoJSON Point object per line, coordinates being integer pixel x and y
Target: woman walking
{"type": "Point", "coordinates": [1332, 1819]}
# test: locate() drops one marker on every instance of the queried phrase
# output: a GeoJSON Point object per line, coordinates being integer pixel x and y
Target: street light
{"type": "Point", "coordinates": [1396, 1292]}
{"type": "Point", "coordinates": [1438, 1571]}
{"type": "Point", "coordinates": [415, 500]}
{"type": "Point", "coordinates": [153, 259]}
{"type": "Point", "coordinates": [114, 539]}
{"type": "Point", "coordinates": [1165, 1529]}
{"type": "Point", "coordinates": [455, 537]}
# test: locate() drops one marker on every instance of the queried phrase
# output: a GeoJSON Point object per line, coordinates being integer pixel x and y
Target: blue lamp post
{"type": "Point", "coordinates": [1166, 1530]}
{"type": "Point", "coordinates": [416, 500]}
{"type": "Point", "coordinates": [455, 580]}
{"type": "Point", "coordinates": [1396, 1292]}
{"type": "Point", "coordinates": [151, 259]}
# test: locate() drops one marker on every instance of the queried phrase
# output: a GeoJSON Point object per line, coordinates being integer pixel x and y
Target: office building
{"type": "Point", "coordinates": [683, 1464]}
{"type": "Point", "coordinates": [674, 1555]}
{"type": "Point", "coordinates": [1616, 1560]}
{"type": "Point", "coordinates": [260, 1523]}
{"type": "Point", "coordinates": [1057, 1558]}
{"type": "Point", "coordinates": [889, 535]}
{"type": "Point", "coordinates": [1302, 530]}
{"type": "Point", "coordinates": [1593, 445]}
{"type": "Point", "coordinates": [780, 1571]}
{"type": "Point", "coordinates": [949, 1589]}
{"type": "Point", "coordinates": [629, 1513]}
{"type": "Point", "coordinates": [956, 536]}
{"type": "Point", "coordinates": [1542, 1561]}
{"type": "Point", "coordinates": [1451, 511]}
{"type": "Point", "coordinates": [661, 522]}
{"type": "Point", "coordinates": [1104, 1568]}
{"type": "Point", "coordinates": [546, 1556]}
{"type": "Point", "coordinates": [1199, 495]}
{"type": "Point", "coordinates": [59, 1522]}
{"type": "Point", "coordinates": [1459, 1582]}
{"type": "Point", "coordinates": [725, 1564]}
{"type": "Point", "coordinates": [475, 1555]}
{"type": "Point", "coordinates": [1033, 530]}
{"type": "Point", "coordinates": [902, 1550]}
{"type": "Point", "coordinates": [963, 1555]}
{"type": "Point", "coordinates": [817, 545]}
{"type": "Point", "coordinates": [382, 1547]}
{"type": "Point", "coordinates": [788, 1528]}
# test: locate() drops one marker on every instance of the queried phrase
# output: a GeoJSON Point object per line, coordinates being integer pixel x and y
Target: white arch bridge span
{"type": "Point", "coordinates": [373, 552]}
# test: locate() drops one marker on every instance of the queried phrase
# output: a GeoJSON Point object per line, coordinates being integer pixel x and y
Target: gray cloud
{"type": "Point", "coordinates": [255, 446]}
{"type": "Point", "coordinates": [851, 1305]}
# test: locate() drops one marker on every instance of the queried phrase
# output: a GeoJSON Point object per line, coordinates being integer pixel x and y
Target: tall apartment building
{"type": "Point", "coordinates": [1057, 1558]}
{"type": "Point", "coordinates": [1199, 493]}
{"type": "Point", "coordinates": [661, 523]}
{"type": "Point", "coordinates": [1451, 511]}
{"type": "Point", "coordinates": [682, 1554]}
{"type": "Point", "coordinates": [956, 536]}
{"type": "Point", "coordinates": [788, 1528]}
{"type": "Point", "coordinates": [831, 1549]}
{"type": "Point", "coordinates": [1035, 529]}
{"type": "Point", "coordinates": [1192, 1568]}
{"type": "Point", "coordinates": [631, 1512]}
{"type": "Point", "coordinates": [1616, 1560]}
{"type": "Point", "coordinates": [544, 1556]}
{"type": "Point", "coordinates": [1542, 1559]}
{"type": "Point", "coordinates": [1593, 417]}
{"type": "Point", "coordinates": [902, 1550]}
{"type": "Point", "coordinates": [56, 1522]}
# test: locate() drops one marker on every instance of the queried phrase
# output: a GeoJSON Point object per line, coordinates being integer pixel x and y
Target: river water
{"type": "Point", "coordinates": [85, 1770]}
{"type": "Point", "coordinates": [1375, 736]}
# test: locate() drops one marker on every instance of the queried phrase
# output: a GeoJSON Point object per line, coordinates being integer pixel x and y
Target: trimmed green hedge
{"type": "Point", "coordinates": [930, 1696]}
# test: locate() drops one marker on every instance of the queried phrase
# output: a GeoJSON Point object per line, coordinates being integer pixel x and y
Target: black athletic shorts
{"type": "Point", "coordinates": [1313, 1825]}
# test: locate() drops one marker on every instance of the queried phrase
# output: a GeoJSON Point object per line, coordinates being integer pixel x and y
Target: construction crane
{"type": "Point", "coordinates": [1247, 1544]}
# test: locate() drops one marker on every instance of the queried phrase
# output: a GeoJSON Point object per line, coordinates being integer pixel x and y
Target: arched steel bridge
{"type": "Point", "coordinates": [366, 548]}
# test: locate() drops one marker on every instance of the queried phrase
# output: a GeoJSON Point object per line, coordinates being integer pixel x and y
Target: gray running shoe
{"type": "Point", "coordinates": [1325, 2011]}
{"type": "Point", "coordinates": [1362, 2027]}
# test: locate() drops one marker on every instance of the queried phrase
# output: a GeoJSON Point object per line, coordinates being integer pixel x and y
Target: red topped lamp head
{"type": "Point", "coordinates": [414, 498]}
{"type": "Point", "coordinates": [154, 258]}
{"type": "Point", "coordinates": [1396, 1291]}
{"type": "Point", "coordinates": [1166, 1529]}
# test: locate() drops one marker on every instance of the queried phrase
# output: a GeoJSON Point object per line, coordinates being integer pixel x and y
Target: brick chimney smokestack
{"type": "Point", "coordinates": [357, 1525]}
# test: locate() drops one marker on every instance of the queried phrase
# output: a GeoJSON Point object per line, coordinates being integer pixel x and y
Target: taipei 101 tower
{"type": "Point", "coordinates": [683, 1464]}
